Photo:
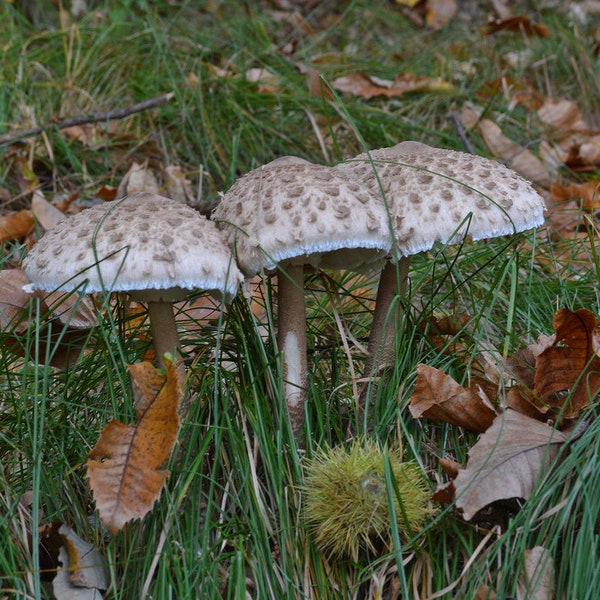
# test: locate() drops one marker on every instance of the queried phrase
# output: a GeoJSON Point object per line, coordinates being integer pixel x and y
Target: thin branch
{"type": "Point", "coordinates": [117, 113]}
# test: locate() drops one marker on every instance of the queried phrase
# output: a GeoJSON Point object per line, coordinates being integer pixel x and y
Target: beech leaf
{"type": "Point", "coordinates": [438, 397]}
{"type": "Point", "coordinates": [16, 225]}
{"type": "Point", "coordinates": [506, 462]}
{"type": "Point", "coordinates": [536, 580]}
{"type": "Point", "coordinates": [82, 567]}
{"type": "Point", "coordinates": [124, 467]}
{"type": "Point", "coordinates": [570, 365]}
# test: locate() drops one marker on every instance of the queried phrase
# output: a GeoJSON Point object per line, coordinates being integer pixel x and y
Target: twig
{"type": "Point", "coordinates": [461, 133]}
{"type": "Point", "coordinates": [117, 113]}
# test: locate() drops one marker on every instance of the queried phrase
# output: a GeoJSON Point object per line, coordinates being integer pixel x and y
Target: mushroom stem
{"type": "Point", "coordinates": [386, 318]}
{"type": "Point", "coordinates": [291, 339]}
{"type": "Point", "coordinates": [165, 337]}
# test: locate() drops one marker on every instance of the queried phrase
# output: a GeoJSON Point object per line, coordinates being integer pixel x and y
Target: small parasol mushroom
{"type": "Point", "coordinates": [155, 248]}
{"type": "Point", "coordinates": [435, 195]}
{"type": "Point", "coordinates": [290, 213]}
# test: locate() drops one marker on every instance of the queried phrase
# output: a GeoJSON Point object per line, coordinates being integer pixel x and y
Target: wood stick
{"type": "Point", "coordinates": [117, 113]}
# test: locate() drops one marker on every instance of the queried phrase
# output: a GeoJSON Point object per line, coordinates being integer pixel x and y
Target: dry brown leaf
{"type": "Point", "coordinates": [536, 579]}
{"type": "Point", "coordinates": [78, 312]}
{"type": "Point", "coordinates": [125, 466]}
{"type": "Point", "coordinates": [16, 225]}
{"type": "Point", "coordinates": [506, 462]}
{"type": "Point", "coordinates": [439, 13]}
{"type": "Point", "coordinates": [520, 24]}
{"type": "Point", "coordinates": [46, 214]}
{"type": "Point", "coordinates": [367, 86]}
{"type": "Point", "coordinates": [438, 397]}
{"type": "Point", "coordinates": [589, 192]}
{"type": "Point", "coordinates": [570, 369]}
{"type": "Point", "coordinates": [589, 151]}
{"type": "Point", "coordinates": [82, 566]}
{"type": "Point", "coordinates": [514, 156]}
{"type": "Point", "coordinates": [564, 116]}
{"type": "Point", "coordinates": [179, 187]}
{"type": "Point", "coordinates": [139, 178]}
{"type": "Point", "coordinates": [266, 81]}
{"type": "Point", "coordinates": [13, 299]}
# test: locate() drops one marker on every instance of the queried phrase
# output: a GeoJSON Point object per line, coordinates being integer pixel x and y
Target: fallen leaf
{"type": "Point", "coordinates": [125, 466]}
{"type": "Point", "coordinates": [514, 156]}
{"type": "Point", "coordinates": [367, 86]}
{"type": "Point", "coordinates": [564, 116]}
{"type": "Point", "coordinates": [536, 579]}
{"type": "Point", "coordinates": [13, 300]}
{"type": "Point", "coordinates": [82, 564]}
{"type": "Point", "coordinates": [178, 186]}
{"type": "Point", "coordinates": [16, 225]}
{"type": "Point", "coordinates": [438, 397]}
{"type": "Point", "coordinates": [506, 462]}
{"type": "Point", "coordinates": [518, 24]}
{"type": "Point", "coordinates": [139, 178]}
{"type": "Point", "coordinates": [46, 214]}
{"type": "Point", "coordinates": [439, 13]}
{"type": "Point", "coordinates": [589, 192]}
{"type": "Point", "coordinates": [568, 373]}
{"type": "Point", "coordinates": [267, 82]}
{"type": "Point", "coordinates": [71, 309]}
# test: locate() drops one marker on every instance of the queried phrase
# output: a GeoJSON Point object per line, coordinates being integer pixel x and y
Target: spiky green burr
{"type": "Point", "coordinates": [346, 499]}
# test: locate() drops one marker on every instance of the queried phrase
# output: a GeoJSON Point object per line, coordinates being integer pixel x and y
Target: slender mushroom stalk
{"type": "Point", "coordinates": [436, 195]}
{"type": "Point", "coordinates": [291, 339]}
{"type": "Point", "coordinates": [387, 316]}
{"type": "Point", "coordinates": [163, 327]}
{"type": "Point", "coordinates": [291, 213]}
{"type": "Point", "coordinates": [155, 248]}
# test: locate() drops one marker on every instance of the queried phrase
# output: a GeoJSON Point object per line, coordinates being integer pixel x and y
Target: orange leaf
{"type": "Point", "coordinates": [517, 24]}
{"type": "Point", "coordinates": [366, 86]}
{"type": "Point", "coordinates": [438, 397]}
{"type": "Point", "coordinates": [16, 225]}
{"type": "Point", "coordinates": [589, 192]}
{"type": "Point", "coordinates": [124, 467]}
{"type": "Point", "coordinates": [569, 365]}
{"type": "Point", "coordinates": [506, 462]}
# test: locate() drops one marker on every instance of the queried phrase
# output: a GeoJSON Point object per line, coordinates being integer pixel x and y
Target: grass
{"type": "Point", "coordinates": [229, 523]}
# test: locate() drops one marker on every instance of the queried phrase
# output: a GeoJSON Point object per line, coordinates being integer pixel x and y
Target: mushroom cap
{"type": "Point", "coordinates": [144, 242]}
{"type": "Point", "coordinates": [293, 210]}
{"type": "Point", "coordinates": [444, 195]}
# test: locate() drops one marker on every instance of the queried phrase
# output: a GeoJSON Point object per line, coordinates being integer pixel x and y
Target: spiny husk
{"type": "Point", "coordinates": [346, 501]}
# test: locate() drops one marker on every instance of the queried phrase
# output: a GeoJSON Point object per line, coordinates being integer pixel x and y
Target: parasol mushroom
{"type": "Point", "coordinates": [435, 195]}
{"type": "Point", "coordinates": [291, 213]}
{"type": "Point", "coordinates": [155, 248]}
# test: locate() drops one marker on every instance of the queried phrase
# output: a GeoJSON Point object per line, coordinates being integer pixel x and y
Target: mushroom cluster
{"type": "Point", "coordinates": [380, 207]}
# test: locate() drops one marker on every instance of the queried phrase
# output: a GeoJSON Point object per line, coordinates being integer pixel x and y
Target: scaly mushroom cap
{"type": "Point", "coordinates": [443, 195]}
{"type": "Point", "coordinates": [143, 242]}
{"type": "Point", "coordinates": [291, 209]}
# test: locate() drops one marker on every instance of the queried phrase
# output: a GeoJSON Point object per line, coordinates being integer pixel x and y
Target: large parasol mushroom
{"type": "Point", "coordinates": [153, 247]}
{"type": "Point", "coordinates": [291, 213]}
{"type": "Point", "coordinates": [435, 195]}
